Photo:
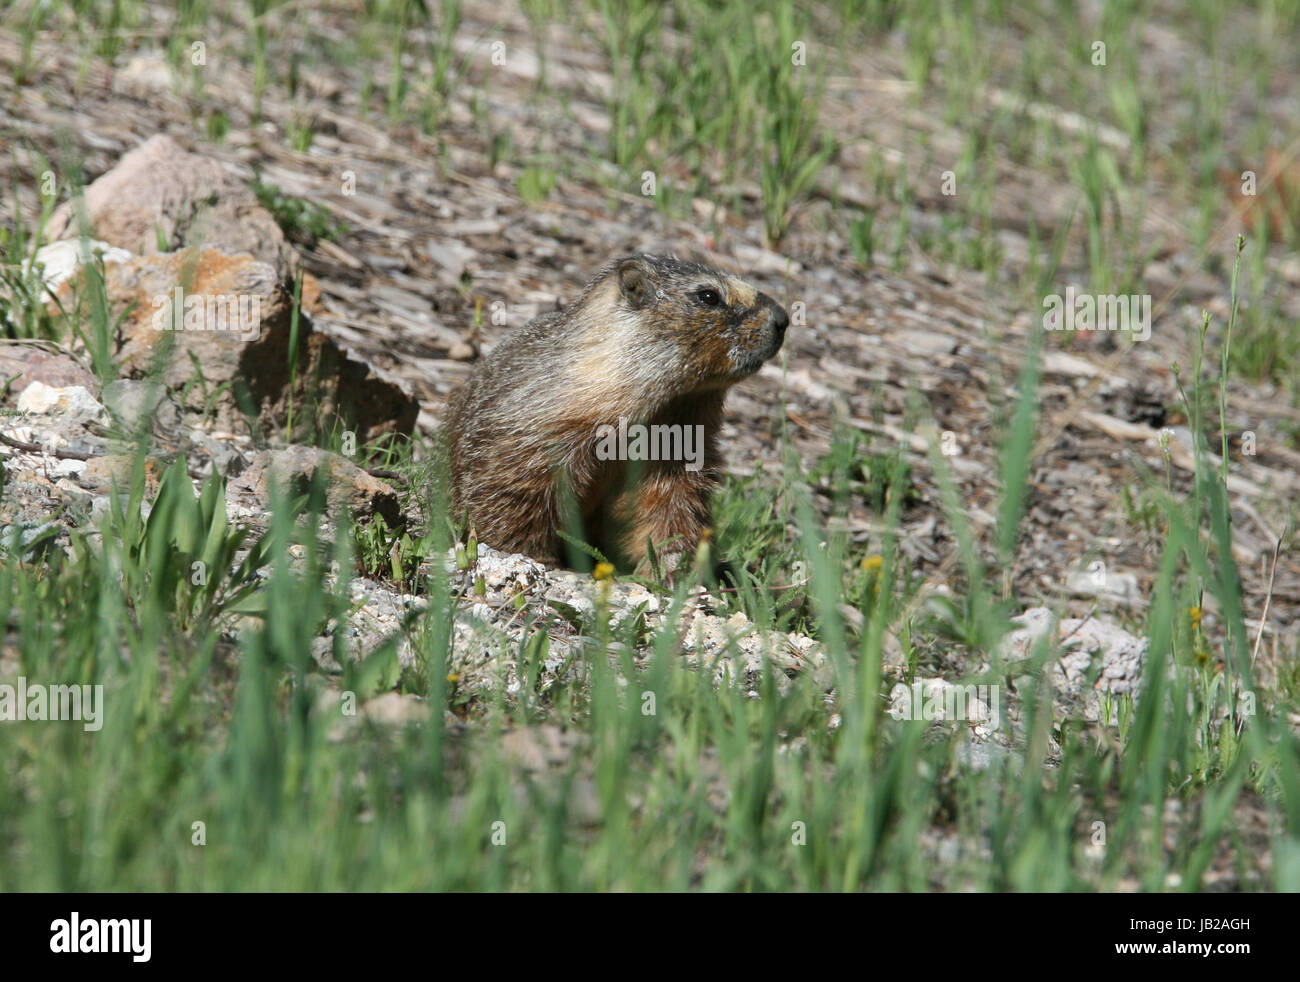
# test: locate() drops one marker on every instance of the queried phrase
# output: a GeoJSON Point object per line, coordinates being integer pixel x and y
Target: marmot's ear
{"type": "Point", "coordinates": [634, 282]}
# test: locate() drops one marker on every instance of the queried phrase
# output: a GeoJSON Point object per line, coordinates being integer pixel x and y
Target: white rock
{"type": "Point", "coordinates": [1081, 641]}
{"type": "Point", "coordinates": [73, 401]}
{"type": "Point", "coordinates": [63, 258]}
{"type": "Point", "coordinates": [1108, 584]}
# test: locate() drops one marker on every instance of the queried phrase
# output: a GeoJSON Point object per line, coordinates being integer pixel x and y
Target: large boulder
{"type": "Point", "coordinates": [160, 198]}
{"type": "Point", "coordinates": [215, 328]}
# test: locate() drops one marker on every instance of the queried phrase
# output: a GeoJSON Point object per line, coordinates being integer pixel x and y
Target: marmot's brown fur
{"type": "Point", "coordinates": [651, 341]}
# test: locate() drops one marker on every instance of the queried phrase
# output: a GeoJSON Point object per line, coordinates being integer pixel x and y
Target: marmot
{"type": "Point", "coordinates": [651, 341]}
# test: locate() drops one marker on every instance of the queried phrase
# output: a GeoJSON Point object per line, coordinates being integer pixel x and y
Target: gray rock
{"type": "Point", "coordinates": [292, 470]}
{"type": "Point", "coordinates": [137, 401]}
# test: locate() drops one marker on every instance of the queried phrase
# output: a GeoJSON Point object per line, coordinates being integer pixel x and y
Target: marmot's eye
{"type": "Point", "coordinates": [708, 297]}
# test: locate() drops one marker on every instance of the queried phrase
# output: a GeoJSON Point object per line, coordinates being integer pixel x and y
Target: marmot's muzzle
{"type": "Point", "coordinates": [779, 321]}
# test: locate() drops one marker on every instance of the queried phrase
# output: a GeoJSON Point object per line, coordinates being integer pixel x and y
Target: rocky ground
{"type": "Point", "coordinates": [440, 256]}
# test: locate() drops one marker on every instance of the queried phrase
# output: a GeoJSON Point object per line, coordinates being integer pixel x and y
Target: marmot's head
{"type": "Point", "coordinates": [714, 327]}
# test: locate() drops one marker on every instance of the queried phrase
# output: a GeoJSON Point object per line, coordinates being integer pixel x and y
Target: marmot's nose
{"type": "Point", "coordinates": [780, 319]}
